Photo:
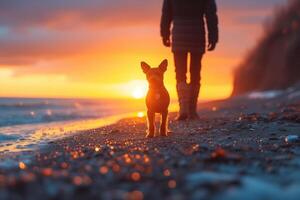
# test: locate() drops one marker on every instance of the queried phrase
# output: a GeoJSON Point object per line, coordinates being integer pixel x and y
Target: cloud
{"type": "Point", "coordinates": [75, 13]}
{"type": "Point", "coordinates": [32, 31]}
{"type": "Point", "coordinates": [35, 44]}
{"type": "Point", "coordinates": [96, 43]}
{"type": "Point", "coordinates": [249, 4]}
{"type": "Point", "coordinates": [61, 13]}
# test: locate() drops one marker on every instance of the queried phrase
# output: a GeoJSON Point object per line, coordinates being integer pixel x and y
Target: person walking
{"type": "Point", "coordinates": [189, 38]}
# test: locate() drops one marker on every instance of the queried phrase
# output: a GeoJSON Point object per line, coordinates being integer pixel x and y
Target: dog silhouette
{"type": "Point", "coordinates": [157, 99]}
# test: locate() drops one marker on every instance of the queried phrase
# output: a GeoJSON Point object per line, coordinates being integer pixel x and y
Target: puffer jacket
{"type": "Point", "coordinates": [187, 16]}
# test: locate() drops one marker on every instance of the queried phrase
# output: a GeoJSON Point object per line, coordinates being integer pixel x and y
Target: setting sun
{"type": "Point", "coordinates": [138, 93]}
{"type": "Point", "coordinates": [139, 90]}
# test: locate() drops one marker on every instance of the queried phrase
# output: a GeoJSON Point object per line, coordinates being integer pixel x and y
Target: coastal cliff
{"type": "Point", "coordinates": [274, 64]}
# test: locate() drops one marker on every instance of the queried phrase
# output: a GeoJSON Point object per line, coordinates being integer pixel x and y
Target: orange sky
{"type": "Point", "coordinates": [81, 53]}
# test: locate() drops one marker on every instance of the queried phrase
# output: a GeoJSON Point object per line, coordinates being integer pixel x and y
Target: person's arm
{"type": "Point", "coordinates": [212, 24]}
{"type": "Point", "coordinates": [165, 23]}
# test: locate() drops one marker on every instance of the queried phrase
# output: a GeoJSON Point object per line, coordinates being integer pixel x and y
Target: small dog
{"type": "Point", "coordinates": [158, 98]}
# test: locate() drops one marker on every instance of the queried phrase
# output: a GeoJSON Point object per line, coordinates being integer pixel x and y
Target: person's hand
{"type": "Point", "coordinates": [166, 42]}
{"type": "Point", "coordinates": [211, 46]}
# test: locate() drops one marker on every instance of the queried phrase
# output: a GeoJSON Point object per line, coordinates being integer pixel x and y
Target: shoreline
{"type": "Point", "coordinates": [43, 133]}
{"type": "Point", "coordinates": [47, 133]}
{"type": "Point", "coordinates": [235, 150]}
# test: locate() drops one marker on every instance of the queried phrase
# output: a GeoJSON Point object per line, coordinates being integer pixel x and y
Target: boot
{"type": "Point", "coordinates": [193, 102]}
{"type": "Point", "coordinates": [183, 99]}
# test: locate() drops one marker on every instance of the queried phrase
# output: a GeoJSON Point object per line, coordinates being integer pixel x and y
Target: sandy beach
{"type": "Point", "coordinates": [239, 149]}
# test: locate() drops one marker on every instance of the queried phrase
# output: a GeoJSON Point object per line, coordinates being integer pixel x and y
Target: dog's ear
{"type": "Point", "coordinates": [163, 65]}
{"type": "Point", "coordinates": [145, 67]}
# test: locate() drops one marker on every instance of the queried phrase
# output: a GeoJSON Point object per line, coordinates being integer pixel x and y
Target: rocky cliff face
{"type": "Point", "coordinates": [275, 62]}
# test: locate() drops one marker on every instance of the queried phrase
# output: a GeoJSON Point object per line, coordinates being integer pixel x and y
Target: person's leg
{"type": "Point", "coordinates": [195, 71]}
{"type": "Point", "coordinates": [180, 59]}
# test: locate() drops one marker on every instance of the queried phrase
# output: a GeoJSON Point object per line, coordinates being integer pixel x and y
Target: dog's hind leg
{"type": "Point", "coordinates": [151, 124]}
{"type": "Point", "coordinates": [164, 123]}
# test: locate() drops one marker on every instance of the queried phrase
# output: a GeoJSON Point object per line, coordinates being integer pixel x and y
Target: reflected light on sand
{"type": "Point", "coordinates": [214, 108]}
{"type": "Point", "coordinates": [172, 184]}
{"type": "Point", "coordinates": [136, 176]}
{"type": "Point", "coordinates": [103, 170]}
{"type": "Point", "coordinates": [22, 165]}
{"type": "Point", "coordinates": [141, 114]}
{"type": "Point", "coordinates": [97, 149]}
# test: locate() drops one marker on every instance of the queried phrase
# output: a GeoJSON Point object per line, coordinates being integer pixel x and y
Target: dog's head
{"type": "Point", "coordinates": [155, 76]}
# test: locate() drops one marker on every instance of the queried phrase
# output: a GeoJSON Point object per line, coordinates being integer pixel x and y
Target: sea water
{"type": "Point", "coordinates": [26, 123]}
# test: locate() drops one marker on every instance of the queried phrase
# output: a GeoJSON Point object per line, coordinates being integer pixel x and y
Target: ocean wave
{"type": "Point", "coordinates": [39, 105]}
{"type": "Point", "coordinates": [5, 138]}
{"type": "Point", "coordinates": [48, 116]}
{"type": "Point", "coordinates": [20, 111]}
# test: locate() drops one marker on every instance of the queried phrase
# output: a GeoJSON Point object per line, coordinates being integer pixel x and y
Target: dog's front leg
{"type": "Point", "coordinates": [164, 123]}
{"type": "Point", "coordinates": [151, 124]}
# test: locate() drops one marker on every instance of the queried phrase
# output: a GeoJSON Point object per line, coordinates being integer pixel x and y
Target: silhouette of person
{"type": "Point", "coordinates": [189, 38]}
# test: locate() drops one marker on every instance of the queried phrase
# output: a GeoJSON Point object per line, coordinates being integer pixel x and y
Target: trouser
{"type": "Point", "coordinates": [188, 92]}
{"type": "Point", "coordinates": [181, 67]}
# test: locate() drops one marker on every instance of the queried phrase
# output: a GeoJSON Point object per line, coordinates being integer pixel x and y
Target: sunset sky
{"type": "Point", "coordinates": [93, 48]}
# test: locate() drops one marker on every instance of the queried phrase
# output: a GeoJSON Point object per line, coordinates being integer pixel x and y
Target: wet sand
{"type": "Point", "coordinates": [237, 150]}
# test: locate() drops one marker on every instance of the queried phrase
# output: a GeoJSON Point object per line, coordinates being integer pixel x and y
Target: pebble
{"type": "Point", "coordinates": [208, 178]}
{"type": "Point", "coordinates": [292, 138]}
